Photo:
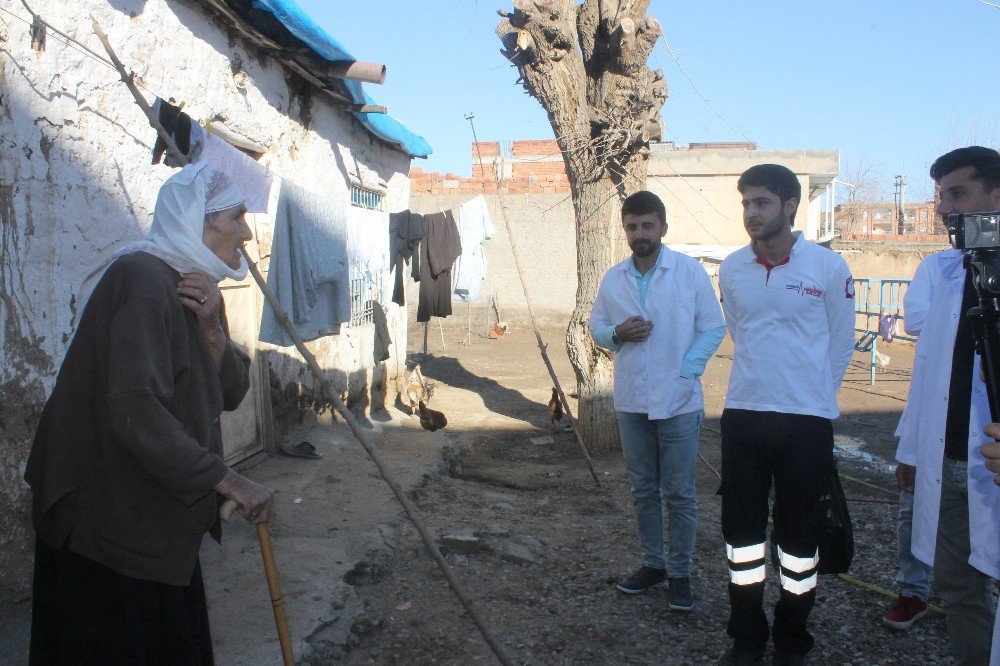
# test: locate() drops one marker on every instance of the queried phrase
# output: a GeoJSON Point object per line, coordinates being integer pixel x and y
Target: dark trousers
{"type": "Point", "coordinates": [85, 613]}
{"type": "Point", "coordinates": [795, 451]}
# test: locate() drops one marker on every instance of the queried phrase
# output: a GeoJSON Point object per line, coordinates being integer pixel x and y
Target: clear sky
{"type": "Point", "coordinates": [889, 83]}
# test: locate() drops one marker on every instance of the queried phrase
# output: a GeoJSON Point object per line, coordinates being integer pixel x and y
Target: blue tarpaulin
{"type": "Point", "coordinates": [381, 125]}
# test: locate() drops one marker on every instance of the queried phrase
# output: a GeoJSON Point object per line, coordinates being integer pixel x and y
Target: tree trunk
{"type": "Point", "coordinates": [586, 65]}
{"type": "Point", "coordinates": [600, 244]}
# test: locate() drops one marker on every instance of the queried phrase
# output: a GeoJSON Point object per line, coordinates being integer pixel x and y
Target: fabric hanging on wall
{"type": "Point", "coordinates": [178, 126]}
{"type": "Point", "coordinates": [309, 267]}
{"type": "Point", "coordinates": [380, 349]}
{"type": "Point", "coordinates": [252, 177]}
{"type": "Point", "coordinates": [368, 239]}
{"type": "Point", "coordinates": [438, 253]}
{"type": "Point", "coordinates": [406, 229]}
{"type": "Point", "coordinates": [474, 228]}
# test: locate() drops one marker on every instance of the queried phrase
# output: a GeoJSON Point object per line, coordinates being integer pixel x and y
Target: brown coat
{"type": "Point", "coordinates": [127, 451]}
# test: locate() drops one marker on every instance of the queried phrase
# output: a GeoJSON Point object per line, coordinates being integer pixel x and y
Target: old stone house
{"type": "Point", "coordinates": [77, 183]}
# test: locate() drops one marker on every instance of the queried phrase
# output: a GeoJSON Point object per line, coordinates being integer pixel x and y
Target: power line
{"type": "Point", "coordinates": [72, 43]}
{"type": "Point", "coordinates": [677, 62]}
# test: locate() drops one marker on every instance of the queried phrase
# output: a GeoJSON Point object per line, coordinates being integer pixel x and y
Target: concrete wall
{"type": "Point", "coordinates": [544, 230]}
{"type": "Point", "coordinates": [699, 189]}
{"type": "Point", "coordinates": [76, 183]}
{"type": "Point", "coordinates": [877, 259]}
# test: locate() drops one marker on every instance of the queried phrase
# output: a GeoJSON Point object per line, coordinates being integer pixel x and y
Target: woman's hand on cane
{"type": "Point", "coordinates": [255, 501]}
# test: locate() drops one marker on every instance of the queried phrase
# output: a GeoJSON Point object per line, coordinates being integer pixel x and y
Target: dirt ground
{"type": "Point", "coordinates": [539, 547]}
{"type": "Point", "coordinates": [535, 543]}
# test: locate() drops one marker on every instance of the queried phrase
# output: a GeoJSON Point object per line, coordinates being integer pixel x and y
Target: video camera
{"type": "Point", "coordinates": [978, 235]}
{"type": "Point", "coordinates": [974, 231]}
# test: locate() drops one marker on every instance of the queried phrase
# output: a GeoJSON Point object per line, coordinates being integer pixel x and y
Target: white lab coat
{"type": "Point", "coordinates": [681, 303]}
{"type": "Point", "coordinates": [932, 309]}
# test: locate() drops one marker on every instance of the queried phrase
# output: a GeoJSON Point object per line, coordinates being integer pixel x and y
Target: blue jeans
{"type": "Point", "coordinates": [660, 455]}
{"type": "Point", "coordinates": [913, 579]}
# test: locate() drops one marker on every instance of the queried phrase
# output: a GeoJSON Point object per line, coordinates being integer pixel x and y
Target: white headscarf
{"type": "Point", "coordinates": [177, 233]}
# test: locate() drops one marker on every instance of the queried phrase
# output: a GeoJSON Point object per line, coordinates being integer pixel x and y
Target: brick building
{"type": "Point", "coordinates": [526, 167]}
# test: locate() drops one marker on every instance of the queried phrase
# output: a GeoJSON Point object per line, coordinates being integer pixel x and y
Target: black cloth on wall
{"type": "Point", "coordinates": [438, 253]}
{"type": "Point", "coordinates": [178, 126]}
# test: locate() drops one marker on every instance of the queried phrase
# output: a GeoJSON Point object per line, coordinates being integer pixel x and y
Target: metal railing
{"type": "Point", "coordinates": [874, 299]}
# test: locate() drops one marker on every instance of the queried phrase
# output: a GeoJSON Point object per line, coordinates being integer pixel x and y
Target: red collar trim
{"type": "Point", "coordinates": [769, 266]}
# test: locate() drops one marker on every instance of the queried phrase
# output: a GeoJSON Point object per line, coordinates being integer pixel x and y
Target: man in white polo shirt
{"type": "Point", "coordinates": [658, 312]}
{"type": "Point", "coordinates": [789, 306]}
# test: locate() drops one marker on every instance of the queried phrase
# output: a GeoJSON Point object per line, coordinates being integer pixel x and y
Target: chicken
{"type": "Point", "coordinates": [498, 331]}
{"type": "Point", "coordinates": [431, 419]}
{"type": "Point", "coordinates": [415, 388]}
{"type": "Point", "coordinates": [555, 410]}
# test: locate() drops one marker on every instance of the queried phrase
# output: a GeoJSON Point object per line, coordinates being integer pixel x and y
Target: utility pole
{"type": "Point", "coordinates": [901, 204]}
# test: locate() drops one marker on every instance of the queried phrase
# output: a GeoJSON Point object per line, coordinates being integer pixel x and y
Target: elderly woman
{"type": "Point", "coordinates": [125, 470]}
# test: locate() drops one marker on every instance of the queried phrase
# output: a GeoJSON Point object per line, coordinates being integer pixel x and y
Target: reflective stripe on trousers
{"type": "Point", "coordinates": [746, 564]}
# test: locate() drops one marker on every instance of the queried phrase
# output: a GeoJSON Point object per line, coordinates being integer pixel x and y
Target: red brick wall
{"type": "Point", "coordinates": [541, 172]}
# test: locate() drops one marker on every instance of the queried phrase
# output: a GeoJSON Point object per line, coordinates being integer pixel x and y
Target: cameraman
{"type": "Point", "coordinates": [940, 431]}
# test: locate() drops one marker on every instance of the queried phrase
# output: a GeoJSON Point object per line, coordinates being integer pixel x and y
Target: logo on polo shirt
{"type": "Point", "coordinates": [803, 290]}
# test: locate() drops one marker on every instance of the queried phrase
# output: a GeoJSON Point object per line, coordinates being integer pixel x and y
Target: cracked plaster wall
{"type": "Point", "coordinates": [76, 183]}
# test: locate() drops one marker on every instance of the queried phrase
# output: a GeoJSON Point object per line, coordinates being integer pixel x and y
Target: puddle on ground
{"type": "Point", "coordinates": [852, 447]}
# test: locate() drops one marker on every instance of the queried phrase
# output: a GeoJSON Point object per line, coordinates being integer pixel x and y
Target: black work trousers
{"type": "Point", "coordinates": [796, 451]}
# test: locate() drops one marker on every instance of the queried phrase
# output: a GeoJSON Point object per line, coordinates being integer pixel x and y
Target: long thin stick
{"type": "Point", "coordinates": [284, 638]}
{"type": "Point", "coordinates": [331, 394]}
{"type": "Point", "coordinates": [542, 345]}
{"type": "Point", "coordinates": [226, 512]}
{"type": "Point", "coordinates": [879, 590]}
{"type": "Point", "coordinates": [362, 436]}
{"type": "Point", "coordinates": [129, 80]}
{"type": "Point", "coordinates": [531, 312]}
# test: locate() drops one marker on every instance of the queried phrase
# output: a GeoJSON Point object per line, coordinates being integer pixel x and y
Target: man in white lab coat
{"type": "Point", "coordinates": [941, 428]}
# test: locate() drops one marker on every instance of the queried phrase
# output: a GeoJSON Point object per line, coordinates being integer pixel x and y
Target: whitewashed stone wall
{"type": "Point", "coordinates": [76, 183]}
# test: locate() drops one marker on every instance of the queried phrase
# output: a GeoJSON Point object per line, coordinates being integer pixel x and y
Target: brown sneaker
{"type": "Point", "coordinates": [904, 612]}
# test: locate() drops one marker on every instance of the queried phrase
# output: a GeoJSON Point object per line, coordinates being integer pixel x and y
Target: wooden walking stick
{"type": "Point", "coordinates": [284, 638]}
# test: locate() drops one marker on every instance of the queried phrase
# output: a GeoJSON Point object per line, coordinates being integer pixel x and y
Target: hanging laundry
{"type": "Point", "coordinates": [380, 348]}
{"type": "Point", "coordinates": [178, 126]}
{"type": "Point", "coordinates": [309, 266]}
{"type": "Point", "coordinates": [252, 177]}
{"type": "Point", "coordinates": [406, 229]}
{"type": "Point", "coordinates": [888, 327]}
{"type": "Point", "coordinates": [368, 239]}
{"type": "Point", "coordinates": [438, 253]}
{"type": "Point", "coordinates": [474, 228]}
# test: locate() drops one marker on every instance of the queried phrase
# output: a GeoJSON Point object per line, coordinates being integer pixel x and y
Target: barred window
{"type": "Point", "coordinates": [365, 287]}
{"type": "Point", "coordinates": [362, 197]}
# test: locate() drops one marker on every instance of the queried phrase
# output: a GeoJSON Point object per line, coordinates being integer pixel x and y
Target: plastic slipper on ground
{"type": "Point", "coordinates": [301, 450]}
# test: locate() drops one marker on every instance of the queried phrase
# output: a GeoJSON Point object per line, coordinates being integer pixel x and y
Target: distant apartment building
{"type": "Point", "coordinates": [881, 218]}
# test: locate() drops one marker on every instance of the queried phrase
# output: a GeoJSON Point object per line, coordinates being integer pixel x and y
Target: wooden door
{"type": "Point", "coordinates": [242, 429]}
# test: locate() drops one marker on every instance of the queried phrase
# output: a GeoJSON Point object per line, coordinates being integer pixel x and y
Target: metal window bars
{"type": "Point", "coordinates": [365, 287]}
{"type": "Point", "coordinates": [362, 197]}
